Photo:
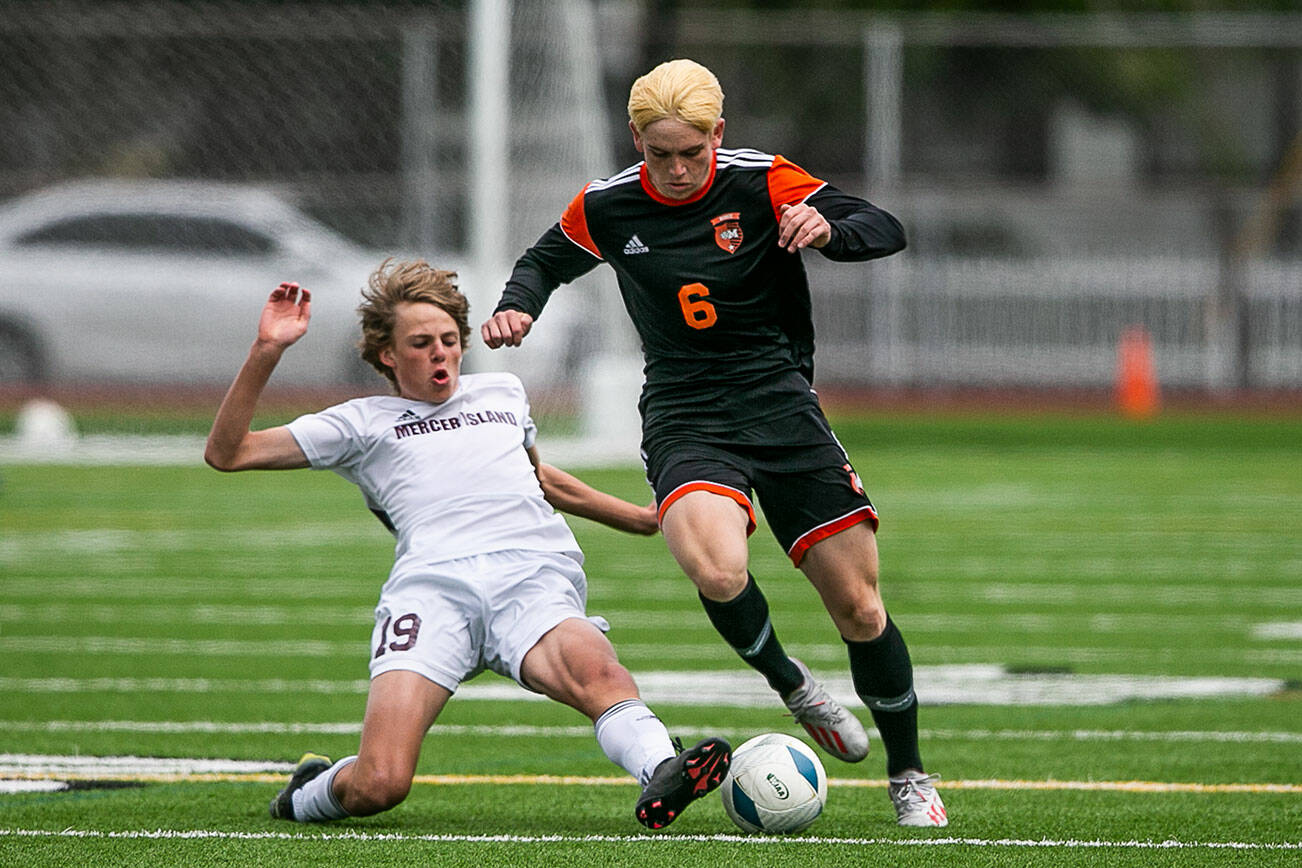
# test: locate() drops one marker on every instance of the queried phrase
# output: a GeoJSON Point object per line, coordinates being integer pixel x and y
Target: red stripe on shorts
{"type": "Point", "coordinates": [713, 488]}
{"type": "Point", "coordinates": [831, 528]}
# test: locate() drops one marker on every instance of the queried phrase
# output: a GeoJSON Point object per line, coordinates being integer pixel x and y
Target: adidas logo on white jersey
{"type": "Point", "coordinates": [635, 245]}
{"type": "Point", "coordinates": [408, 415]}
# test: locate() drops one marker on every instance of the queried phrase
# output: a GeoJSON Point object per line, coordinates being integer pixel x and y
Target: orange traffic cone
{"type": "Point", "coordinates": [1137, 389]}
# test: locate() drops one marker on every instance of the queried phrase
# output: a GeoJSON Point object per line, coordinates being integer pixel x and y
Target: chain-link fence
{"type": "Point", "coordinates": [359, 111]}
{"type": "Point", "coordinates": [364, 117]}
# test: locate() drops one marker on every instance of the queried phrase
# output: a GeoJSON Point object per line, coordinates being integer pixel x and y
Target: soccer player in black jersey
{"type": "Point", "coordinates": [706, 243]}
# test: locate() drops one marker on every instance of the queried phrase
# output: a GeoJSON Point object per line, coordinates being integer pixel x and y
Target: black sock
{"type": "Point", "coordinates": [883, 678]}
{"type": "Point", "coordinates": [743, 622]}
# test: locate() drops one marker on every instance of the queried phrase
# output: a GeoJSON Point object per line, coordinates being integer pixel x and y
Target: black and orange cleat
{"type": "Point", "coordinates": [309, 767]}
{"type": "Point", "coordinates": [681, 780]}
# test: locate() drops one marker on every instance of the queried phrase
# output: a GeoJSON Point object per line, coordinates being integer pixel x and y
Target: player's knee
{"type": "Point", "coordinates": [599, 690]}
{"type": "Point", "coordinates": [872, 619]}
{"type": "Point", "coordinates": [612, 676]}
{"type": "Point", "coordinates": [375, 790]}
{"type": "Point", "coordinates": [604, 680]}
{"type": "Point", "coordinates": [858, 611]}
{"type": "Point", "coordinates": [861, 620]}
{"type": "Point", "coordinates": [719, 582]}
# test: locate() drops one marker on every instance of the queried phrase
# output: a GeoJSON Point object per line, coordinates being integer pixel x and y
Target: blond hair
{"type": "Point", "coordinates": [394, 283]}
{"type": "Point", "coordinates": [681, 89]}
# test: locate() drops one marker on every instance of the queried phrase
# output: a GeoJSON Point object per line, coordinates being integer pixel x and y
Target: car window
{"type": "Point", "coordinates": [153, 232]}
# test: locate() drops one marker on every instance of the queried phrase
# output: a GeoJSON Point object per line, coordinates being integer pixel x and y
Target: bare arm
{"type": "Point", "coordinates": [231, 445]}
{"type": "Point", "coordinates": [574, 496]}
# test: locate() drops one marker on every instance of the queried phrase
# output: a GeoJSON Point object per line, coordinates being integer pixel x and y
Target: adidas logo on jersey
{"type": "Point", "coordinates": [635, 245]}
{"type": "Point", "coordinates": [408, 415]}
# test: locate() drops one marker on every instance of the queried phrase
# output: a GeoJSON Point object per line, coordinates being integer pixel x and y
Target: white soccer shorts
{"type": "Point", "coordinates": [451, 620]}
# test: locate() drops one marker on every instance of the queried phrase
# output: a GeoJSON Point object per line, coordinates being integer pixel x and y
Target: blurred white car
{"type": "Point", "coordinates": [162, 281]}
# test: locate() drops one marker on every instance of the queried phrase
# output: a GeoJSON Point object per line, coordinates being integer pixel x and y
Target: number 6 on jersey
{"type": "Point", "coordinates": [698, 312]}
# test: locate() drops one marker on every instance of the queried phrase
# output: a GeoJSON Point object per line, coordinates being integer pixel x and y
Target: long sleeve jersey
{"type": "Point", "coordinates": [723, 312]}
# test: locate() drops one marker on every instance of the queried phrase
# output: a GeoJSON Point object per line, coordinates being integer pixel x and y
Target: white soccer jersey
{"type": "Point", "coordinates": [451, 479]}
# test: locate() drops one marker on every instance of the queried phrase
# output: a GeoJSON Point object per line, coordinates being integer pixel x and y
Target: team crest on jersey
{"type": "Point", "coordinates": [727, 231]}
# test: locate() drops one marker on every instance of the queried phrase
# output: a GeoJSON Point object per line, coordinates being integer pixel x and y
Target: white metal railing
{"type": "Point", "coordinates": [1014, 322]}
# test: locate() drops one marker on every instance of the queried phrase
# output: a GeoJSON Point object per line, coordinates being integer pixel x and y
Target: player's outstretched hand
{"type": "Point", "coordinates": [801, 226]}
{"type": "Point", "coordinates": [506, 328]}
{"type": "Point", "coordinates": [285, 315]}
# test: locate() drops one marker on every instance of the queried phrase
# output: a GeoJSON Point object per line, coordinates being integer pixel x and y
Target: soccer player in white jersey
{"type": "Point", "coordinates": [486, 575]}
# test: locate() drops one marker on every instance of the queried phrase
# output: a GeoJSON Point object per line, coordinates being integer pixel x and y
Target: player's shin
{"type": "Point", "coordinates": [633, 738]}
{"type": "Point", "coordinates": [744, 623]}
{"type": "Point", "coordinates": [883, 679]}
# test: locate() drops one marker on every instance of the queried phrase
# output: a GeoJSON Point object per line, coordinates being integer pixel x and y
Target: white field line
{"type": "Point", "coordinates": [40, 545]}
{"type": "Point", "coordinates": [660, 840]}
{"type": "Point", "coordinates": [43, 543]}
{"type": "Point", "coordinates": [1062, 621]}
{"type": "Point", "coordinates": [44, 767]}
{"type": "Point", "coordinates": [22, 785]}
{"type": "Point", "coordinates": [99, 645]}
{"type": "Point", "coordinates": [973, 683]}
{"type": "Point", "coordinates": [1148, 787]}
{"type": "Point", "coordinates": [173, 727]}
{"type": "Point", "coordinates": [187, 450]}
{"type": "Point", "coordinates": [1277, 630]}
{"type": "Point", "coordinates": [809, 652]}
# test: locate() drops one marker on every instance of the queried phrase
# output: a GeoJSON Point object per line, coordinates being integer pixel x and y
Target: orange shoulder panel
{"type": "Point", "coordinates": [789, 184]}
{"type": "Point", "coordinates": [574, 223]}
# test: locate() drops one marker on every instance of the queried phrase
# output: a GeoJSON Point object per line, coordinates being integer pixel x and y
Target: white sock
{"type": "Point", "coordinates": [315, 801]}
{"type": "Point", "coordinates": [633, 738]}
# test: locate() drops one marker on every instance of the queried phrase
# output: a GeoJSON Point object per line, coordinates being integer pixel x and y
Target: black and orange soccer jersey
{"type": "Point", "coordinates": [723, 312]}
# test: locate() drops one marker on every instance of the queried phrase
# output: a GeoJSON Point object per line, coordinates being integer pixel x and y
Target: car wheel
{"type": "Point", "coordinates": [21, 359]}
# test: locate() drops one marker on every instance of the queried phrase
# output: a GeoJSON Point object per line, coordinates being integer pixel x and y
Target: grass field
{"type": "Point", "coordinates": [1108, 616]}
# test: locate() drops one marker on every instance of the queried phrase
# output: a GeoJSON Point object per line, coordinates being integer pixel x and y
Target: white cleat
{"type": "Point", "coordinates": [832, 728]}
{"type": "Point", "coordinates": [916, 801]}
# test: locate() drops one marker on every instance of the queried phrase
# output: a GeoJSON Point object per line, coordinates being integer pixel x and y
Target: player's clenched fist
{"type": "Point", "coordinates": [801, 226]}
{"type": "Point", "coordinates": [506, 328]}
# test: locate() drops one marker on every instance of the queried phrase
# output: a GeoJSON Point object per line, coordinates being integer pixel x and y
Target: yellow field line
{"type": "Point", "coordinates": [594, 781]}
{"type": "Point", "coordinates": [1117, 786]}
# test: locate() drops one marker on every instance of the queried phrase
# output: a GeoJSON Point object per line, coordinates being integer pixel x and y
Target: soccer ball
{"type": "Point", "coordinates": [775, 785]}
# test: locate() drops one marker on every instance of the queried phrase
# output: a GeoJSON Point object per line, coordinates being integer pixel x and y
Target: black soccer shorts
{"type": "Point", "coordinates": [808, 493]}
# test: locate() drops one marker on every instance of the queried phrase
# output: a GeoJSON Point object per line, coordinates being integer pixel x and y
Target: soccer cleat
{"type": "Point", "coordinates": [916, 801]}
{"type": "Point", "coordinates": [832, 728]}
{"type": "Point", "coordinates": [682, 779]}
{"type": "Point", "coordinates": [310, 766]}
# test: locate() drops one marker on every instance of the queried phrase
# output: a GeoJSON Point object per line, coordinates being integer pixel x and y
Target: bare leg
{"type": "Point", "coordinates": [706, 533]}
{"type": "Point", "coordinates": [400, 709]}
